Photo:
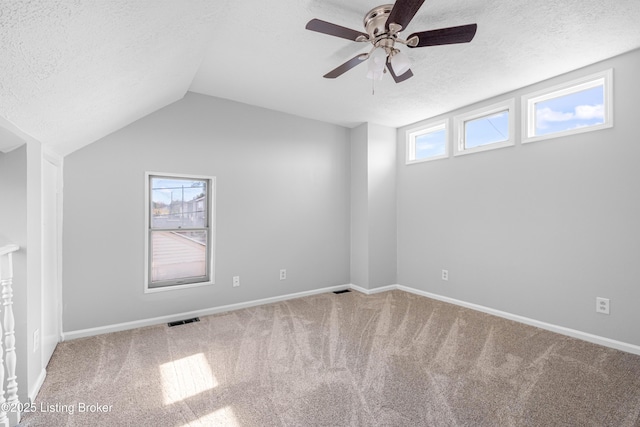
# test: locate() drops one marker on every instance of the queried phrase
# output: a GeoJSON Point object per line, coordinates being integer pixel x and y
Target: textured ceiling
{"type": "Point", "coordinates": [72, 72]}
{"type": "Point", "coordinates": [275, 63]}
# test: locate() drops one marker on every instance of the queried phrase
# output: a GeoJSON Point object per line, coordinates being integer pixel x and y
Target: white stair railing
{"type": "Point", "coordinates": [9, 406]}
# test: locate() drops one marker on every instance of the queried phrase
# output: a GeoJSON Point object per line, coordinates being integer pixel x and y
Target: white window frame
{"type": "Point", "coordinates": [459, 122]}
{"type": "Point", "coordinates": [529, 101]}
{"type": "Point", "coordinates": [413, 133]}
{"type": "Point", "coordinates": [211, 231]}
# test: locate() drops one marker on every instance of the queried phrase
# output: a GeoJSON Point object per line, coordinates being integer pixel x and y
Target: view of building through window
{"type": "Point", "coordinates": [178, 203]}
{"type": "Point", "coordinates": [179, 234]}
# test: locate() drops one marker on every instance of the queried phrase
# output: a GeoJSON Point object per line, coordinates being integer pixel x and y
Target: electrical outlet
{"type": "Point", "coordinates": [283, 274]}
{"type": "Point", "coordinates": [602, 305]}
{"type": "Point", "coordinates": [445, 275]}
{"type": "Point", "coordinates": [36, 340]}
{"type": "Point", "coordinates": [236, 281]}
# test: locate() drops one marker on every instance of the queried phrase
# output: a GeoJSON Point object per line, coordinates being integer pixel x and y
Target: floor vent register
{"type": "Point", "coordinates": [183, 322]}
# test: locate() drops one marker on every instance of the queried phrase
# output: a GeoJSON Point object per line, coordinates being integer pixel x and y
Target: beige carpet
{"type": "Point", "coordinates": [390, 359]}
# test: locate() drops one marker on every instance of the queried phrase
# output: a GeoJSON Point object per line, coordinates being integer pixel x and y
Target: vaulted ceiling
{"type": "Point", "coordinates": [72, 72]}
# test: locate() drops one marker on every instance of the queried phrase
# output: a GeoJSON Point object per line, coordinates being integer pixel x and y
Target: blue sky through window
{"type": "Point", "coordinates": [487, 130]}
{"type": "Point", "coordinates": [431, 144]}
{"type": "Point", "coordinates": [572, 111]}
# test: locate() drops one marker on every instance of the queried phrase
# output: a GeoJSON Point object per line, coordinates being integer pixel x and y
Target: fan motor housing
{"type": "Point", "coordinates": [376, 19]}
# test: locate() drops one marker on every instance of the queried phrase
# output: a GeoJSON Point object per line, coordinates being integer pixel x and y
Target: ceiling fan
{"type": "Point", "coordinates": [383, 25]}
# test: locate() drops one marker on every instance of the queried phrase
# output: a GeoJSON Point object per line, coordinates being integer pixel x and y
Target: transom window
{"type": "Point", "coordinates": [179, 231]}
{"type": "Point", "coordinates": [483, 129]}
{"type": "Point", "coordinates": [577, 106]}
{"type": "Point", "coordinates": [428, 142]}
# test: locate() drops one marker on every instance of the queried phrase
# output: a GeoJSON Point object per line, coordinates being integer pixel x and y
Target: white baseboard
{"type": "Point", "coordinates": [607, 342]}
{"type": "Point", "coordinates": [82, 333]}
{"type": "Point", "coordinates": [374, 290]}
{"type": "Point", "coordinates": [33, 392]}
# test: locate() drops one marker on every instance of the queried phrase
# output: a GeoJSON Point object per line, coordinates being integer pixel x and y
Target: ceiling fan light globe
{"type": "Point", "coordinates": [400, 63]}
{"type": "Point", "coordinates": [377, 58]}
{"type": "Point", "coordinates": [375, 74]}
{"type": "Point", "coordinates": [376, 64]}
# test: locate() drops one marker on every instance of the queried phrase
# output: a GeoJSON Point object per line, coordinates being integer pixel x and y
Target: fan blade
{"type": "Point", "coordinates": [334, 30]}
{"type": "Point", "coordinates": [451, 35]}
{"type": "Point", "coordinates": [399, 79]}
{"type": "Point", "coordinates": [345, 67]}
{"type": "Point", "coordinates": [403, 12]}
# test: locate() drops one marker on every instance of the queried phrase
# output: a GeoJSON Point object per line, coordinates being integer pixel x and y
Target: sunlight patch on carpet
{"type": "Point", "coordinates": [186, 377]}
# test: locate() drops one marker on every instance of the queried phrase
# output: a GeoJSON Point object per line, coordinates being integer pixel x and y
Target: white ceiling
{"type": "Point", "coordinates": [72, 72]}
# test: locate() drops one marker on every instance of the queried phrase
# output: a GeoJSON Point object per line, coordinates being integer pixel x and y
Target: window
{"type": "Point", "coordinates": [578, 106]}
{"type": "Point", "coordinates": [179, 212]}
{"type": "Point", "coordinates": [428, 142]}
{"type": "Point", "coordinates": [487, 128]}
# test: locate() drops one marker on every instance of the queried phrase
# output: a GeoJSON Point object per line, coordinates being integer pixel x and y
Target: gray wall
{"type": "Point", "coordinates": [283, 201]}
{"type": "Point", "coordinates": [382, 206]}
{"type": "Point", "coordinates": [373, 206]}
{"type": "Point", "coordinates": [360, 206]}
{"type": "Point", "coordinates": [538, 230]}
